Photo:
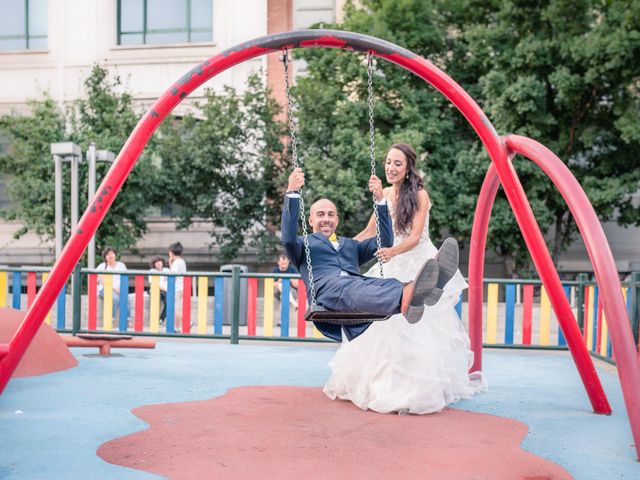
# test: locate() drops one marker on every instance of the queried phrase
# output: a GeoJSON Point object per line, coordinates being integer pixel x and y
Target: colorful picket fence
{"type": "Point", "coordinates": [517, 313]}
{"type": "Point", "coordinates": [12, 286]}
{"type": "Point", "coordinates": [517, 321]}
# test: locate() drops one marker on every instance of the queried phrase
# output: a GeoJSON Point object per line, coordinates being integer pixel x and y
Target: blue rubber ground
{"type": "Point", "coordinates": [51, 426]}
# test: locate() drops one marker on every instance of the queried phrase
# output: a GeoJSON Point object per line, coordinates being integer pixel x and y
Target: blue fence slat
{"type": "Point", "coordinates": [61, 308]}
{"type": "Point", "coordinates": [123, 306]}
{"type": "Point", "coordinates": [594, 316]}
{"type": "Point", "coordinates": [561, 340]}
{"type": "Point", "coordinates": [218, 304]}
{"type": "Point", "coordinates": [459, 307]}
{"type": "Point", "coordinates": [510, 307]}
{"type": "Point", "coordinates": [171, 304]}
{"type": "Point", "coordinates": [16, 288]}
{"type": "Point", "coordinates": [284, 308]}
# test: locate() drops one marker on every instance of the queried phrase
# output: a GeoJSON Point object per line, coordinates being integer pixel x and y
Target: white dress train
{"type": "Point", "coordinates": [395, 366]}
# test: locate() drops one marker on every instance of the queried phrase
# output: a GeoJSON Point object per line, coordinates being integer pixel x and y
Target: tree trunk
{"type": "Point", "coordinates": [509, 264]}
{"type": "Point", "coordinates": [557, 239]}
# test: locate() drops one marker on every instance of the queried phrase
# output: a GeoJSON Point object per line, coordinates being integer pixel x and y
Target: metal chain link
{"type": "Point", "coordinates": [372, 141]}
{"type": "Point", "coordinates": [294, 155]}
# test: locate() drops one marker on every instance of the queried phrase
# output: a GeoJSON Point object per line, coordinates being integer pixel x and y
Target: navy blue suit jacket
{"type": "Point", "coordinates": [326, 261]}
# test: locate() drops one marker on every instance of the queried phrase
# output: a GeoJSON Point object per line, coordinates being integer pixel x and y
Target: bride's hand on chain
{"type": "Point", "coordinates": [385, 254]}
{"type": "Point", "coordinates": [375, 187]}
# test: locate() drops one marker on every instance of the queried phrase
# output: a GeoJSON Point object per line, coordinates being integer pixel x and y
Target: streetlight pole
{"type": "Point", "coordinates": [65, 152]}
{"type": "Point", "coordinates": [94, 156]}
{"type": "Point", "coordinates": [91, 159]}
{"type": "Point", "coordinates": [58, 204]}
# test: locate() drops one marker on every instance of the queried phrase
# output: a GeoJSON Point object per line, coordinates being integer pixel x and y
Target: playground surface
{"type": "Point", "coordinates": [62, 425]}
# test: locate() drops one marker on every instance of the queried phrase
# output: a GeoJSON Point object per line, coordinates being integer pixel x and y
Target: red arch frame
{"type": "Point", "coordinates": [10, 355]}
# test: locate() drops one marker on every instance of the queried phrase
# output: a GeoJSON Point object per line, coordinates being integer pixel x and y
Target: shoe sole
{"type": "Point", "coordinates": [414, 313]}
{"type": "Point", "coordinates": [424, 282]}
{"type": "Point", "coordinates": [447, 258]}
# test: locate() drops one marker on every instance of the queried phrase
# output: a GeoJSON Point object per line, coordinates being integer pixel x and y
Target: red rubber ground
{"type": "Point", "coordinates": [296, 433]}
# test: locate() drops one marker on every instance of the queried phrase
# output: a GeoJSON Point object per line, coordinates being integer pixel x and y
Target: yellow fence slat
{"type": "Point", "coordinates": [154, 304]}
{"type": "Point", "coordinates": [268, 307]}
{"type": "Point", "coordinates": [107, 307]}
{"type": "Point", "coordinates": [545, 317]}
{"type": "Point", "coordinates": [316, 333]}
{"type": "Point", "coordinates": [492, 312]}
{"type": "Point", "coordinates": [588, 321]}
{"type": "Point", "coordinates": [604, 336]}
{"type": "Point", "coordinates": [3, 289]}
{"type": "Point", "coordinates": [203, 288]}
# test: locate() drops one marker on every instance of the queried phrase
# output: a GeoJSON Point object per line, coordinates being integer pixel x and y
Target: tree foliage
{"type": "Point", "coordinates": [104, 115]}
{"type": "Point", "coordinates": [565, 73]}
{"type": "Point", "coordinates": [224, 165]}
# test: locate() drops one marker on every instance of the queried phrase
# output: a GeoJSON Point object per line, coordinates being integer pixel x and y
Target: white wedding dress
{"type": "Point", "coordinates": [395, 366]}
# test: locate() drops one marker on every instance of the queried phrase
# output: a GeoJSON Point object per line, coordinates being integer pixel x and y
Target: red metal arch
{"type": "Point", "coordinates": [599, 253]}
{"type": "Point", "coordinates": [106, 193]}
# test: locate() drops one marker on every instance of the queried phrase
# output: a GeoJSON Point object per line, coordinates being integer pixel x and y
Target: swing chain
{"type": "Point", "coordinates": [294, 156]}
{"type": "Point", "coordinates": [372, 141]}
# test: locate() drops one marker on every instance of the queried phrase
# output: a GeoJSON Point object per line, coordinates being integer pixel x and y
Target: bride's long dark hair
{"type": "Point", "coordinates": [407, 202]}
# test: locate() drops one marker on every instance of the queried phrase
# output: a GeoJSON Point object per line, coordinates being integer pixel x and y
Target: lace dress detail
{"type": "Point", "coordinates": [395, 366]}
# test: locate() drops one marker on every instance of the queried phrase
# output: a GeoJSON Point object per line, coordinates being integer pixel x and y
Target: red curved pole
{"type": "Point", "coordinates": [125, 161]}
{"type": "Point", "coordinates": [604, 268]}
{"type": "Point", "coordinates": [477, 246]}
{"type": "Point", "coordinates": [551, 282]}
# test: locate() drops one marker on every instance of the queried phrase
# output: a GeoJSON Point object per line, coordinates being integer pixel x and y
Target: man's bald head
{"type": "Point", "coordinates": [323, 217]}
{"type": "Point", "coordinates": [324, 203]}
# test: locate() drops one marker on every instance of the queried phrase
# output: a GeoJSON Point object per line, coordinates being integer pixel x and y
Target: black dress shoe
{"type": "Point", "coordinates": [423, 284]}
{"type": "Point", "coordinates": [447, 258]}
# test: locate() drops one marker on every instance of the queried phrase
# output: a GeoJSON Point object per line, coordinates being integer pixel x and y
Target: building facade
{"type": "Point", "coordinates": [51, 45]}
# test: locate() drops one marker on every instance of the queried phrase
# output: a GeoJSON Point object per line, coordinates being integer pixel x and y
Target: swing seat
{"type": "Point", "coordinates": [334, 317]}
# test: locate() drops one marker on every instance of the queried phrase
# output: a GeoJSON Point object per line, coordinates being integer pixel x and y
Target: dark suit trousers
{"type": "Point", "coordinates": [381, 296]}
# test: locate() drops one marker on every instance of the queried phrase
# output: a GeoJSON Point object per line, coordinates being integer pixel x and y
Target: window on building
{"type": "Point", "coordinates": [23, 24]}
{"type": "Point", "coordinates": [152, 22]}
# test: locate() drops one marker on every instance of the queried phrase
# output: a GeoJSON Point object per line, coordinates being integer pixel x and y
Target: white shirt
{"type": "Point", "coordinates": [163, 280]}
{"type": "Point", "coordinates": [178, 266]}
{"type": "Point", "coordinates": [119, 267]}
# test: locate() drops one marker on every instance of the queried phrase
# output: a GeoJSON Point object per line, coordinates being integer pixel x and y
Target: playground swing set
{"type": "Point", "coordinates": [501, 150]}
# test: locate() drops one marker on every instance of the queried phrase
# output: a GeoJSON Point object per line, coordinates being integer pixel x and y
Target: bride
{"type": "Point", "coordinates": [395, 366]}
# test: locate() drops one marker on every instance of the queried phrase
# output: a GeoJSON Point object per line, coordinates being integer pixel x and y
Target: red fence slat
{"type": "Point", "coordinates": [31, 287]}
{"type": "Point", "coordinates": [93, 302]}
{"type": "Point", "coordinates": [139, 316]}
{"type": "Point", "coordinates": [252, 305]}
{"type": "Point", "coordinates": [527, 313]}
{"type": "Point", "coordinates": [302, 308]}
{"type": "Point", "coordinates": [186, 305]}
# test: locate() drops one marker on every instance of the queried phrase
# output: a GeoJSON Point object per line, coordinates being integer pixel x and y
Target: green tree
{"type": "Point", "coordinates": [28, 166]}
{"type": "Point", "coordinates": [103, 115]}
{"type": "Point", "coordinates": [566, 73]}
{"type": "Point", "coordinates": [562, 72]}
{"type": "Point", "coordinates": [224, 166]}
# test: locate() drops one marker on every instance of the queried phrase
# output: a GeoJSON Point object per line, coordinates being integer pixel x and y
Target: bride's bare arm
{"type": "Point", "coordinates": [417, 225]}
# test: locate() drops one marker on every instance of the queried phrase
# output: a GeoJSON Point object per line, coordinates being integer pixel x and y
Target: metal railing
{"type": "Point", "coordinates": [240, 306]}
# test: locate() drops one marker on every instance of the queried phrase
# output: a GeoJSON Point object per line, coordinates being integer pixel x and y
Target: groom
{"type": "Point", "coordinates": [335, 262]}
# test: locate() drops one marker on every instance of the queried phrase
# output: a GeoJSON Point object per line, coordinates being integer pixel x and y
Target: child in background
{"type": "Point", "coordinates": [111, 264]}
{"type": "Point", "coordinates": [177, 266]}
{"type": "Point", "coordinates": [157, 266]}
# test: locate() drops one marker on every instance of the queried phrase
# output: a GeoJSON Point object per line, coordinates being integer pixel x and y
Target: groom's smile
{"type": "Point", "coordinates": [323, 217]}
